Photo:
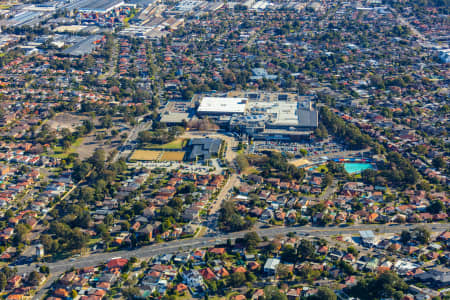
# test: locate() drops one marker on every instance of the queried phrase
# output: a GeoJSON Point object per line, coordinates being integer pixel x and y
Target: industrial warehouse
{"type": "Point", "coordinates": [263, 116]}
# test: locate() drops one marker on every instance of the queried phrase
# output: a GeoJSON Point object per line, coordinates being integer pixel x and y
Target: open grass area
{"type": "Point", "coordinates": [145, 155]}
{"type": "Point", "coordinates": [174, 145]}
{"type": "Point", "coordinates": [60, 153]}
{"type": "Point", "coordinates": [322, 169]}
{"type": "Point", "coordinates": [173, 156]}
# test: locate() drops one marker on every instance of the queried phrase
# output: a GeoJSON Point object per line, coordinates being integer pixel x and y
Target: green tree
{"type": "Point", "coordinates": [273, 293]}
{"type": "Point", "coordinates": [251, 240]}
{"type": "Point", "coordinates": [21, 233]}
{"type": "Point", "coordinates": [386, 285]}
{"type": "Point", "coordinates": [44, 269]}
{"type": "Point", "coordinates": [305, 249]}
{"type": "Point", "coordinates": [3, 281]}
{"type": "Point", "coordinates": [438, 162]}
{"type": "Point", "coordinates": [436, 206]}
{"type": "Point", "coordinates": [34, 278]}
{"type": "Point", "coordinates": [237, 279]}
{"type": "Point", "coordinates": [131, 293]}
{"type": "Point", "coordinates": [106, 121]}
{"type": "Point", "coordinates": [289, 254]}
{"type": "Point", "coordinates": [324, 293]}
{"type": "Point", "coordinates": [422, 234]}
{"type": "Point", "coordinates": [405, 236]}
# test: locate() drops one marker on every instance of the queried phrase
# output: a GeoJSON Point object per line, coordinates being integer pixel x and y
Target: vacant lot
{"type": "Point", "coordinates": [300, 162]}
{"type": "Point", "coordinates": [145, 155]}
{"type": "Point", "coordinates": [66, 120]}
{"type": "Point", "coordinates": [173, 156]}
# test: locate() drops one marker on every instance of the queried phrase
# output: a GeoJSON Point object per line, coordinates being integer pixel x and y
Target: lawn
{"type": "Point", "coordinates": [322, 169]}
{"type": "Point", "coordinates": [60, 153]}
{"type": "Point", "coordinates": [174, 145]}
{"type": "Point", "coordinates": [145, 155]}
{"type": "Point", "coordinates": [173, 156]}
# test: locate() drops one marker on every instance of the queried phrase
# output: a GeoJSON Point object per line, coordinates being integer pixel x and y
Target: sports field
{"type": "Point", "coordinates": [145, 155]}
{"type": "Point", "coordinates": [177, 144]}
{"type": "Point", "coordinates": [151, 155]}
{"type": "Point", "coordinates": [173, 156]}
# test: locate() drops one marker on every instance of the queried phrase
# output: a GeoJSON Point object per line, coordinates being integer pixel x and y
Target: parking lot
{"type": "Point", "coordinates": [319, 148]}
{"type": "Point", "coordinates": [183, 167]}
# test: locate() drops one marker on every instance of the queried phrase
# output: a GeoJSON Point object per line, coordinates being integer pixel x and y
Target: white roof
{"type": "Point", "coordinates": [271, 263]}
{"type": "Point", "coordinates": [223, 105]}
{"type": "Point", "coordinates": [367, 234]}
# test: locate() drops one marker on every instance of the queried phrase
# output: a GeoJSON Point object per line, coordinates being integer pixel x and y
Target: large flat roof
{"type": "Point", "coordinates": [367, 234]}
{"type": "Point", "coordinates": [85, 46]}
{"type": "Point", "coordinates": [101, 5]}
{"type": "Point", "coordinates": [223, 105]}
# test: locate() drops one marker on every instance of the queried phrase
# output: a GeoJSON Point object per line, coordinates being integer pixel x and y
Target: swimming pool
{"type": "Point", "coordinates": [356, 168]}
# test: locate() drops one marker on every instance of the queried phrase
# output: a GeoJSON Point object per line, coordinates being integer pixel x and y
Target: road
{"type": "Point", "coordinates": [132, 136]}
{"type": "Point", "coordinates": [59, 267]}
{"type": "Point", "coordinates": [211, 222]}
{"type": "Point", "coordinates": [329, 192]}
{"type": "Point", "coordinates": [233, 181]}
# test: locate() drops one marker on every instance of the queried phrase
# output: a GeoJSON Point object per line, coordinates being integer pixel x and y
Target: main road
{"type": "Point", "coordinates": [56, 268]}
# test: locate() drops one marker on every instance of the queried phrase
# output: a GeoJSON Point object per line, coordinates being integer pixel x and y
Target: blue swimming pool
{"type": "Point", "coordinates": [356, 168]}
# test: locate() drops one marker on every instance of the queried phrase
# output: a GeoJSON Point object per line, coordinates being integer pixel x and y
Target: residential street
{"type": "Point", "coordinates": [59, 267]}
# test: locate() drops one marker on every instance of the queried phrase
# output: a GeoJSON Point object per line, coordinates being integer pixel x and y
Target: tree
{"type": "Point", "coordinates": [230, 220]}
{"type": "Point", "coordinates": [386, 285]}
{"type": "Point", "coordinates": [283, 271]}
{"type": "Point", "coordinates": [106, 121]}
{"type": "Point", "coordinates": [80, 170]}
{"type": "Point", "coordinates": [44, 269]}
{"type": "Point", "coordinates": [305, 249]}
{"type": "Point", "coordinates": [88, 125]}
{"type": "Point", "coordinates": [289, 254]}
{"type": "Point", "coordinates": [422, 234]}
{"type": "Point", "coordinates": [436, 206]}
{"type": "Point", "coordinates": [352, 250]}
{"type": "Point", "coordinates": [21, 233]}
{"type": "Point", "coordinates": [131, 293]}
{"type": "Point", "coordinates": [3, 281]}
{"type": "Point", "coordinates": [98, 160]}
{"type": "Point", "coordinates": [66, 145]}
{"type": "Point", "coordinates": [324, 293]}
{"type": "Point", "coordinates": [438, 162]}
{"type": "Point", "coordinates": [251, 240]}
{"type": "Point", "coordinates": [237, 279]}
{"type": "Point", "coordinates": [251, 277]}
{"type": "Point", "coordinates": [327, 180]}
{"type": "Point", "coordinates": [34, 278]}
{"type": "Point", "coordinates": [273, 293]}
{"type": "Point", "coordinates": [405, 236]}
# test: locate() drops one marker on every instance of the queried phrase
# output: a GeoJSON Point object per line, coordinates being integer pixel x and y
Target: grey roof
{"type": "Point", "coordinates": [271, 264]}
{"type": "Point", "coordinates": [100, 5]}
{"type": "Point", "coordinates": [204, 147]}
{"type": "Point", "coordinates": [86, 46]}
{"type": "Point", "coordinates": [367, 234]}
{"type": "Point", "coordinates": [307, 118]}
